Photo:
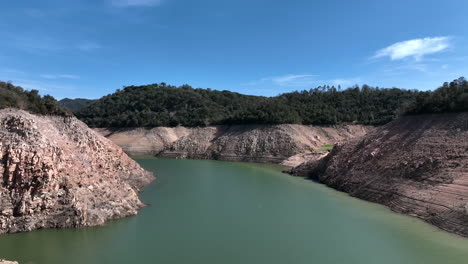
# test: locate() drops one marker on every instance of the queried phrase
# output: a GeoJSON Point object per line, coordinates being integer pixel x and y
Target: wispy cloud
{"type": "Point", "coordinates": [34, 13]}
{"type": "Point", "coordinates": [296, 80]}
{"type": "Point", "coordinates": [134, 3]}
{"type": "Point", "coordinates": [43, 87]}
{"type": "Point", "coordinates": [48, 46]}
{"type": "Point", "coordinates": [415, 67]}
{"type": "Point", "coordinates": [88, 46]}
{"type": "Point", "coordinates": [416, 48]}
{"type": "Point", "coordinates": [11, 72]}
{"type": "Point", "coordinates": [49, 84]}
{"type": "Point", "coordinates": [33, 85]}
{"type": "Point", "coordinates": [43, 44]}
{"type": "Point", "coordinates": [257, 82]}
{"type": "Point", "coordinates": [406, 67]}
{"type": "Point", "coordinates": [302, 81]}
{"type": "Point", "coordinates": [33, 43]}
{"type": "Point", "coordinates": [345, 82]}
{"type": "Point", "coordinates": [59, 76]}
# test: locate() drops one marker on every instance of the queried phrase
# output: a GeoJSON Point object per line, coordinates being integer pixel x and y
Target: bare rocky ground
{"type": "Point", "coordinates": [58, 173]}
{"type": "Point", "coordinates": [290, 144]}
{"type": "Point", "coordinates": [417, 165]}
{"type": "Point", "coordinates": [2, 261]}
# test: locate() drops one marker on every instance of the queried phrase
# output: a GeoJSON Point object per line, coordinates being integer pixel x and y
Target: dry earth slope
{"type": "Point", "coordinates": [416, 165]}
{"type": "Point", "coordinates": [2, 261]}
{"type": "Point", "coordinates": [256, 143]}
{"type": "Point", "coordinates": [56, 173]}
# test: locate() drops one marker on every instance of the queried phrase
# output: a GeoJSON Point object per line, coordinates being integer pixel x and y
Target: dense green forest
{"type": "Point", "coordinates": [75, 105]}
{"type": "Point", "coordinates": [17, 97]}
{"type": "Point", "coordinates": [451, 97]}
{"type": "Point", "coordinates": [165, 105]}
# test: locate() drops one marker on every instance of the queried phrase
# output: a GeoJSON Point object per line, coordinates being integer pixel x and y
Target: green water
{"type": "Point", "coordinates": [217, 212]}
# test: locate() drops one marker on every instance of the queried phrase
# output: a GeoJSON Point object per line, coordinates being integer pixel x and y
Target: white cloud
{"type": "Point", "coordinates": [129, 3]}
{"type": "Point", "coordinates": [11, 72]}
{"type": "Point", "coordinates": [302, 81]}
{"type": "Point", "coordinates": [43, 87]}
{"type": "Point", "coordinates": [416, 67]}
{"type": "Point", "coordinates": [297, 80]}
{"type": "Point", "coordinates": [59, 76]}
{"type": "Point", "coordinates": [405, 67]}
{"type": "Point", "coordinates": [36, 44]}
{"type": "Point", "coordinates": [32, 85]}
{"type": "Point", "coordinates": [43, 44]}
{"type": "Point", "coordinates": [28, 81]}
{"type": "Point", "coordinates": [345, 82]}
{"type": "Point", "coordinates": [416, 48]}
{"type": "Point", "coordinates": [257, 82]}
{"type": "Point", "coordinates": [294, 80]}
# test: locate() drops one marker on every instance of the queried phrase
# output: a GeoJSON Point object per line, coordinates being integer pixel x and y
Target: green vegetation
{"type": "Point", "coordinates": [75, 105]}
{"type": "Point", "coordinates": [451, 97]}
{"type": "Point", "coordinates": [326, 147]}
{"type": "Point", "coordinates": [165, 105]}
{"type": "Point", "coordinates": [17, 97]}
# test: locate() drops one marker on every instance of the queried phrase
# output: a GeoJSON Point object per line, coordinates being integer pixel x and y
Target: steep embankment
{"type": "Point", "coordinates": [56, 173]}
{"type": "Point", "coordinates": [257, 143]}
{"type": "Point", "coordinates": [417, 165]}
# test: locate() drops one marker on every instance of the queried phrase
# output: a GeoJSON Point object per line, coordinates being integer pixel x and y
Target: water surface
{"type": "Point", "coordinates": [218, 212]}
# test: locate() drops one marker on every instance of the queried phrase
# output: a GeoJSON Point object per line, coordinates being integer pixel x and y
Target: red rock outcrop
{"type": "Point", "coordinates": [416, 165]}
{"type": "Point", "coordinates": [57, 173]}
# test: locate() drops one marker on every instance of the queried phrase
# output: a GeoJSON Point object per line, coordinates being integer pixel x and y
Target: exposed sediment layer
{"type": "Point", "coordinates": [57, 173]}
{"type": "Point", "coordinates": [416, 165]}
{"type": "Point", "coordinates": [255, 143]}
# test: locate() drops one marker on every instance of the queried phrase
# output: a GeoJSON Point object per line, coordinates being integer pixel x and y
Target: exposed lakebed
{"type": "Point", "coordinates": [221, 212]}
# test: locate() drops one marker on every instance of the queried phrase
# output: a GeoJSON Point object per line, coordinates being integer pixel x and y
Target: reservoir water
{"type": "Point", "coordinates": [211, 212]}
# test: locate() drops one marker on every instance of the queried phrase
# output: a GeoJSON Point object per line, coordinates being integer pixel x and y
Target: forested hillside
{"type": "Point", "coordinates": [165, 105]}
{"type": "Point", "coordinates": [363, 105]}
{"type": "Point", "coordinates": [75, 105]}
{"type": "Point", "coordinates": [451, 97]}
{"type": "Point", "coordinates": [17, 97]}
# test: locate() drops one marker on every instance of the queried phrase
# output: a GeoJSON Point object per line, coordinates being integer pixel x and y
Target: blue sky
{"type": "Point", "coordinates": [89, 48]}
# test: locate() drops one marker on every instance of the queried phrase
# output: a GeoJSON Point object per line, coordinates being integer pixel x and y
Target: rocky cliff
{"type": "Point", "coordinates": [56, 173]}
{"type": "Point", "coordinates": [256, 143]}
{"type": "Point", "coordinates": [417, 165]}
